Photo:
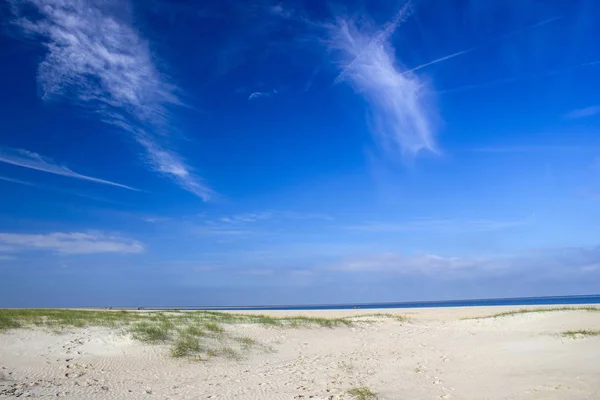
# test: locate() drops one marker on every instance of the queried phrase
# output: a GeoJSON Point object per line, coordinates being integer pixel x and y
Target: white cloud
{"type": "Point", "coordinates": [400, 102]}
{"type": "Point", "coordinates": [393, 263]}
{"type": "Point", "coordinates": [280, 11]}
{"type": "Point", "coordinates": [256, 95]}
{"type": "Point", "coordinates": [213, 230]}
{"type": "Point", "coordinates": [539, 263]}
{"type": "Point", "coordinates": [152, 220]}
{"type": "Point", "coordinates": [96, 59]}
{"type": "Point", "coordinates": [31, 160]}
{"type": "Point", "coordinates": [583, 112]}
{"type": "Point", "coordinates": [272, 216]}
{"type": "Point", "coordinates": [533, 148]}
{"type": "Point", "coordinates": [70, 243]}
{"type": "Point", "coordinates": [439, 225]}
{"type": "Point", "coordinates": [248, 217]}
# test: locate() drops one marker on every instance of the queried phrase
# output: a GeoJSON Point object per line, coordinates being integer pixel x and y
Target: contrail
{"type": "Point", "coordinates": [380, 37]}
{"type": "Point", "coordinates": [496, 40]}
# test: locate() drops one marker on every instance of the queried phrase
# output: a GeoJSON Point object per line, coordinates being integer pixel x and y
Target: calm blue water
{"type": "Point", "coordinates": [519, 301]}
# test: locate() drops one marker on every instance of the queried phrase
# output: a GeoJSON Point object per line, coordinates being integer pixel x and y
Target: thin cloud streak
{"type": "Point", "coordinates": [70, 243]}
{"type": "Point", "coordinates": [400, 103]}
{"type": "Point", "coordinates": [256, 95]}
{"type": "Point", "coordinates": [583, 112]}
{"type": "Point", "coordinates": [99, 61]}
{"type": "Point", "coordinates": [57, 190]}
{"type": "Point", "coordinates": [31, 160]}
{"type": "Point", "coordinates": [528, 149]}
{"type": "Point", "coordinates": [448, 226]}
{"type": "Point", "coordinates": [494, 41]}
{"type": "Point", "coordinates": [448, 57]}
{"type": "Point", "coordinates": [558, 261]}
{"type": "Point", "coordinates": [395, 263]}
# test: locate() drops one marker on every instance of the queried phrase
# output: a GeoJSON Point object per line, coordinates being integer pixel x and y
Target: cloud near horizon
{"type": "Point", "coordinates": [541, 263]}
{"type": "Point", "coordinates": [69, 243]}
{"type": "Point", "coordinates": [400, 103]}
{"type": "Point", "coordinates": [440, 225]}
{"type": "Point", "coordinates": [394, 263]}
{"type": "Point", "coordinates": [99, 61]}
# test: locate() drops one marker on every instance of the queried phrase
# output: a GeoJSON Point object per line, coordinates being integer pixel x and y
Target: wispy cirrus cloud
{"type": "Point", "coordinates": [395, 263]}
{"type": "Point", "coordinates": [69, 243]}
{"type": "Point", "coordinates": [439, 225]}
{"type": "Point", "coordinates": [256, 95]}
{"type": "Point", "coordinates": [400, 102]}
{"type": "Point", "coordinates": [558, 262]}
{"type": "Point", "coordinates": [96, 59]}
{"type": "Point", "coordinates": [583, 112]}
{"type": "Point", "coordinates": [253, 223]}
{"type": "Point", "coordinates": [35, 161]}
{"type": "Point", "coordinates": [272, 215]}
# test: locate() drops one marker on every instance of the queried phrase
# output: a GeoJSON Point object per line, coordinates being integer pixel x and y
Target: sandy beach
{"type": "Point", "coordinates": [434, 354]}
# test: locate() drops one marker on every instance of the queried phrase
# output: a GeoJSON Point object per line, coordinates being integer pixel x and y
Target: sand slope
{"type": "Point", "coordinates": [437, 355]}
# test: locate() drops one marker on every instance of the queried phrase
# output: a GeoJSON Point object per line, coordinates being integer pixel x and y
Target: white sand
{"type": "Point", "coordinates": [436, 355]}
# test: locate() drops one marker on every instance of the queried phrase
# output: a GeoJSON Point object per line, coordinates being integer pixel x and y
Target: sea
{"type": "Point", "coordinates": [515, 301]}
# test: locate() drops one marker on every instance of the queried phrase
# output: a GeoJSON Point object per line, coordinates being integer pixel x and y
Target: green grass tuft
{"type": "Point", "coordinates": [537, 310]}
{"type": "Point", "coordinates": [186, 345]}
{"type": "Point", "coordinates": [192, 330]}
{"type": "Point", "coordinates": [151, 332]}
{"type": "Point", "coordinates": [8, 323]}
{"type": "Point", "coordinates": [212, 327]}
{"type": "Point", "coordinates": [581, 333]}
{"type": "Point", "coordinates": [362, 393]}
{"type": "Point", "coordinates": [246, 342]}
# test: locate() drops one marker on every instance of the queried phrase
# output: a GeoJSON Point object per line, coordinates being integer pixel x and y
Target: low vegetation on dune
{"type": "Point", "coordinates": [537, 310]}
{"type": "Point", "coordinates": [362, 393]}
{"type": "Point", "coordinates": [581, 333]}
{"type": "Point", "coordinates": [193, 334]}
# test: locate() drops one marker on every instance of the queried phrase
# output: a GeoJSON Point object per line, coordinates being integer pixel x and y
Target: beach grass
{"type": "Point", "coordinates": [537, 310]}
{"type": "Point", "coordinates": [362, 393]}
{"type": "Point", "coordinates": [193, 334]}
{"type": "Point", "coordinates": [186, 345]}
{"type": "Point", "coordinates": [581, 333]}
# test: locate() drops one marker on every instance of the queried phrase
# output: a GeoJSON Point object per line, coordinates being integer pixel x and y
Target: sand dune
{"type": "Point", "coordinates": [435, 355]}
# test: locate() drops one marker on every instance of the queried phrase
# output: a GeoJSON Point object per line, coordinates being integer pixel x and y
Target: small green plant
{"type": "Point", "coordinates": [581, 333]}
{"type": "Point", "coordinates": [151, 332]}
{"type": "Point", "coordinates": [246, 342]}
{"type": "Point", "coordinates": [185, 345]}
{"type": "Point", "coordinates": [8, 323]}
{"type": "Point", "coordinates": [212, 327]}
{"type": "Point", "coordinates": [362, 393]}
{"type": "Point", "coordinates": [192, 330]}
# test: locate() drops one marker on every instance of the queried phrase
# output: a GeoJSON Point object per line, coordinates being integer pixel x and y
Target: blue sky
{"type": "Point", "coordinates": [279, 152]}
